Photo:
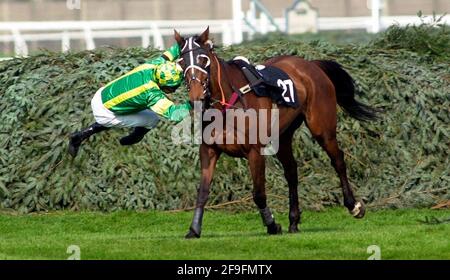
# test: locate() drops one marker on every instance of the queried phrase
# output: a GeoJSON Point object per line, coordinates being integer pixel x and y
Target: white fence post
{"type": "Point", "coordinates": [146, 39]}
{"type": "Point", "coordinates": [158, 41]}
{"type": "Point", "coordinates": [65, 41]}
{"type": "Point", "coordinates": [251, 18]}
{"type": "Point", "coordinates": [20, 46]}
{"type": "Point", "coordinates": [90, 44]}
{"type": "Point", "coordinates": [227, 35]}
{"type": "Point", "coordinates": [237, 21]}
{"type": "Point", "coordinates": [263, 24]}
{"type": "Point", "coordinates": [375, 7]}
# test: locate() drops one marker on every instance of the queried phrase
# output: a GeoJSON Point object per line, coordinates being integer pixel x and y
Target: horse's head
{"type": "Point", "coordinates": [195, 59]}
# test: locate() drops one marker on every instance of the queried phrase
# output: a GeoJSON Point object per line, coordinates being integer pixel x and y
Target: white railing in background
{"type": "Point", "coordinates": [150, 32]}
{"type": "Point", "coordinates": [153, 32]}
{"type": "Point", "coordinates": [258, 19]}
{"type": "Point", "coordinates": [366, 23]}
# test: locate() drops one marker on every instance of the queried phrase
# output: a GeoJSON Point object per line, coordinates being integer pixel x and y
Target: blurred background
{"type": "Point", "coordinates": [29, 25]}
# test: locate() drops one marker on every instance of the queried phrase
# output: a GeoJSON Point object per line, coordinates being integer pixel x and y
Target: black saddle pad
{"type": "Point", "coordinates": [276, 84]}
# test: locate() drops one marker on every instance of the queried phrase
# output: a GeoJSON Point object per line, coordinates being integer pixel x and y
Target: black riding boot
{"type": "Point", "coordinates": [134, 137]}
{"type": "Point", "coordinates": [78, 137]}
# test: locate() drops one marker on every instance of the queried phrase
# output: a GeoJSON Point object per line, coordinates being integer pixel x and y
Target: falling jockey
{"type": "Point", "coordinates": [137, 100]}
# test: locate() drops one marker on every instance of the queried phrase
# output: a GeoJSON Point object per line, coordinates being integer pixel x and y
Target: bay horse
{"type": "Point", "coordinates": [320, 86]}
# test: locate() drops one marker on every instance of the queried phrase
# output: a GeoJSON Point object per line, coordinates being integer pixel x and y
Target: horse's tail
{"type": "Point", "coordinates": [345, 91]}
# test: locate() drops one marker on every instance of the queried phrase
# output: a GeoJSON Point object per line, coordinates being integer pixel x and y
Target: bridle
{"type": "Point", "coordinates": [191, 54]}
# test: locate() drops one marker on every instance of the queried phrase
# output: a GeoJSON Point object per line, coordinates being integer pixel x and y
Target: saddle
{"type": "Point", "coordinates": [267, 81]}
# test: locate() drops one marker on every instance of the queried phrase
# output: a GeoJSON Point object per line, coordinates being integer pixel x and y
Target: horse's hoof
{"type": "Point", "coordinates": [274, 229]}
{"type": "Point", "coordinates": [293, 229]}
{"type": "Point", "coordinates": [192, 234]}
{"type": "Point", "coordinates": [359, 210]}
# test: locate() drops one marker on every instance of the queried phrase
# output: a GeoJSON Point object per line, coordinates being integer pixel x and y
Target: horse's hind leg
{"type": "Point", "coordinates": [286, 157]}
{"type": "Point", "coordinates": [324, 131]}
{"type": "Point", "coordinates": [257, 165]}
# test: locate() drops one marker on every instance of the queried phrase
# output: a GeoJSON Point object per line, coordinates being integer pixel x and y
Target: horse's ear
{"type": "Point", "coordinates": [205, 36]}
{"type": "Point", "coordinates": [178, 37]}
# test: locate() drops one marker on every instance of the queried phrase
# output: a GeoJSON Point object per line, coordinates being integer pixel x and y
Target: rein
{"type": "Point", "coordinates": [234, 96]}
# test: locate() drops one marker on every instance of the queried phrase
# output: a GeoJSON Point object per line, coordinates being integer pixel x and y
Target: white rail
{"type": "Point", "coordinates": [366, 23]}
{"type": "Point", "coordinates": [22, 32]}
{"type": "Point", "coordinates": [153, 32]}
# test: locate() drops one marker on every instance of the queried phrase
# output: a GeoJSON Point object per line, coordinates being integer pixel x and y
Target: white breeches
{"type": "Point", "coordinates": [105, 117]}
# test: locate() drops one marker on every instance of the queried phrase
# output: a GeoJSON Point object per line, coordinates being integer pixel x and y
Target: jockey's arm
{"type": "Point", "coordinates": [171, 54]}
{"type": "Point", "coordinates": [162, 106]}
{"type": "Point", "coordinates": [158, 102]}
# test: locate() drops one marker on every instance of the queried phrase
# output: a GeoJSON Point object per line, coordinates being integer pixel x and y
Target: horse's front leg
{"type": "Point", "coordinates": [257, 165]}
{"type": "Point", "coordinates": [208, 159]}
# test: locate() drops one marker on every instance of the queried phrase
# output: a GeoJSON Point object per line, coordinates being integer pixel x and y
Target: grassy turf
{"type": "Point", "coordinates": [332, 234]}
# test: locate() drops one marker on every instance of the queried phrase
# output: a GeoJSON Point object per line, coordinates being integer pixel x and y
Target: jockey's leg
{"type": "Point", "coordinates": [103, 118]}
{"type": "Point", "coordinates": [134, 137]}
{"type": "Point", "coordinates": [142, 122]}
{"type": "Point", "coordinates": [78, 137]}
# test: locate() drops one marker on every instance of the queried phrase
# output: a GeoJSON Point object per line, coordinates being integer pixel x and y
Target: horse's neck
{"type": "Point", "coordinates": [221, 74]}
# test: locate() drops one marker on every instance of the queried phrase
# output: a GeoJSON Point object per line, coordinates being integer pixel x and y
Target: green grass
{"type": "Point", "coordinates": [332, 234]}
